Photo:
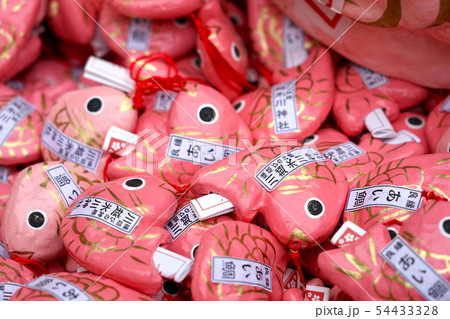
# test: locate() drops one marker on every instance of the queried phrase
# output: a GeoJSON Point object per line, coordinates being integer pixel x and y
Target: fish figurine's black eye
{"type": "Point", "coordinates": [235, 52]}
{"type": "Point", "coordinates": [445, 226]}
{"type": "Point", "coordinates": [392, 232]}
{"type": "Point", "coordinates": [197, 61]}
{"type": "Point", "coordinates": [181, 22]}
{"type": "Point", "coordinates": [235, 19]}
{"type": "Point", "coordinates": [208, 114]}
{"type": "Point", "coordinates": [238, 106]}
{"type": "Point", "coordinates": [94, 105]}
{"type": "Point", "coordinates": [314, 208]}
{"type": "Point", "coordinates": [415, 122]}
{"type": "Point", "coordinates": [310, 139]}
{"type": "Point", "coordinates": [170, 288]}
{"type": "Point", "coordinates": [36, 219]}
{"type": "Point", "coordinates": [194, 251]}
{"type": "Point", "coordinates": [133, 183]}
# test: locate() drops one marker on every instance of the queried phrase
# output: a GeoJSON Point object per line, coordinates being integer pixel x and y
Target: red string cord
{"type": "Point", "coordinates": [233, 79]}
{"type": "Point", "coordinates": [35, 267]}
{"type": "Point", "coordinates": [297, 259]}
{"type": "Point", "coordinates": [110, 158]}
{"type": "Point", "coordinates": [146, 85]}
{"type": "Point", "coordinates": [432, 195]}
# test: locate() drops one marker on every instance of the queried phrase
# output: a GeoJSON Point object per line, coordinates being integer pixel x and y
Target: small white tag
{"type": "Point", "coordinates": [378, 124]}
{"type": "Point", "coordinates": [343, 152]}
{"type": "Point", "coordinates": [139, 31]}
{"type": "Point", "coordinates": [384, 195]}
{"type": "Point", "coordinates": [171, 265]}
{"type": "Point", "coordinates": [15, 85]}
{"type": "Point", "coordinates": [109, 74]}
{"type": "Point", "coordinates": [448, 147]}
{"type": "Point", "coordinates": [370, 78]}
{"type": "Point", "coordinates": [164, 100]}
{"type": "Point", "coordinates": [180, 221]}
{"type": "Point", "coordinates": [7, 290]}
{"type": "Point", "coordinates": [335, 5]}
{"type": "Point", "coordinates": [446, 105]}
{"type": "Point", "coordinates": [3, 251]}
{"type": "Point", "coordinates": [284, 107]}
{"type": "Point", "coordinates": [105, 211]}
{"type": "Point", "coordinates": [11, 115]}
{"type": "Point", "coordinates": [119, 141]}
{"type": "Point", "coordinates": [197, 151]}
{"type": "Point", "coordinates": [415, 270]}
{"type": "Point", "coordinates": [98, 43]}
{"type": "Point", "coordinates": [401, 137]}
{"type": "Point", "coordinates": [294, 51]}
{"type": "Point", "coordinates": [317, 293]}
{"type": "Point", "coordinates": [291, 279]}
{"type": "Point", "coordinates": [4, 174]}
{"type": "Point", "coordinates": [241, 271]}
{"type": "Point", "coordinates": [59, 288]}
{"type": "Point", "coordinates": [70, 149]}
{"type": "Point", "coordinates": [348, 233]}
{"type": "Point", "coordinates": [273, 174]}
{"type": "Point", "coordinates": [211, 205]}
{"type": "Point", "coordinates": [64, 182]}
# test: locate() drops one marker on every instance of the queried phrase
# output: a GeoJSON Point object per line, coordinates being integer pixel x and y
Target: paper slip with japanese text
{"type": "Point", "coordinates": [180, 221]}
{"type": "Point", "coordinates": [370, 78]}
{"type": "Point", "coordinates": [105, 211]}
{"type": "Point", "coordinates": [344, 152]}
{"type": "Point", "coordinates": [70, 149]}
{"type": "Point", "coordinates": [59, 288]}
{"type": "Point", "coordinates": [64, 182]}
{"type": "Point", "coordinates": [273, 174]}
{"type": "Point", "coordinates": [415, 270]}
{"type": "Point", "coordinates": [139, 31]}
{"type": "Point", "coordinates": [284, 107]}
{"type": "Point", "coordinates": [7, 290]}
{"type": "Point", "coordinates": [241, 271]}
{"type": "Point", "coordinates": [11, 115]}
{"type": "Point", "coordinates": [384, 195]}
{"type": "Point", "coordinates": [294, 51]}
{"type": "Point", "coordinates": [197, 151]}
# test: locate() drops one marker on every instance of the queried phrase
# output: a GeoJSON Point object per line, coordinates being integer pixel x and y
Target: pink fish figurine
{"type": "Point", "coordinates": [362, 273]}
{"type": "Point", "coordinates": [73, 21]}
{"type": "Point", "coordinates": [223, 57]}
{"type": "Point", "coordinates": [20, 130]}
{"type": "Point", "coordinates": [359, 91]}
{"type": "Point", "coordinates": [283, 183]}
{"type": "Point", "coordinates": [116, 229]}
{"type": "Point", "coordinates": [78, 123]}
{"type": "Point", "coordinates": [38, 201]}
{"type": "Point", "coordinates": [12, 276]}
{"type": "Point", "coordinates": [19, 47]}
{"type": "Point", "coordinates": [283, 47]}
{"type": "Point", "coordinates": [76, 287]}
{"type": "Point", "coordinates": [228, 253]}
{"type": "Point", "coordinates": [134, 37]}
{"type": "Point", "coordinates": [202, 127]}
{"type": "Point", "coordinates": [394, 191]}
{"type": "Point", "coordinates": [290, 110]}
